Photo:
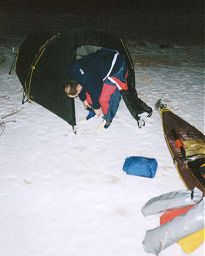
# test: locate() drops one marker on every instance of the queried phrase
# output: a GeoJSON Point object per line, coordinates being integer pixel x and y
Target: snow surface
{"type": "Point", "coordinates": [63, 194]}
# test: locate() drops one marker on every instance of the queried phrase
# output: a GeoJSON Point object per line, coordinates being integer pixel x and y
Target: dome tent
{"type": "Point", "coordinates": [44, 59]}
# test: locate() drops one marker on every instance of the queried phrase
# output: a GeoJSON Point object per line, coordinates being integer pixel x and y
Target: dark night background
{"type": "Point", "coordinates": [174, 21]}
{"type": "Point", "coordinates": [103, 6]}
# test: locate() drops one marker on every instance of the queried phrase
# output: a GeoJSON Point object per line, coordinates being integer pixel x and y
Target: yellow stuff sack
{"type": "Point", "coordinates": [194, 147]}
{"type": "Point", "coordinates": [192, 241]}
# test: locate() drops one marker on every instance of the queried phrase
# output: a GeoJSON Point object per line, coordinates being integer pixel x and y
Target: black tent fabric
{"type": "Point", "coordinates": [44, 59]}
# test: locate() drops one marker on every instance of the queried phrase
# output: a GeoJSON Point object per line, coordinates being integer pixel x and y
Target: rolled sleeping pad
{"type": "Point", "coordinates": [171, 200]}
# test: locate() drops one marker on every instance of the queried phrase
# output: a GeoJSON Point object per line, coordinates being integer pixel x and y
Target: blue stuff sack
{"type": "Point", "coordinates": [140, 166]}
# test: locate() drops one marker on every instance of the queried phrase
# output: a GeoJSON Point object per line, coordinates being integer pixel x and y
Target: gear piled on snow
{"type": "Point", "coordinates": [176, 227]}
{"type": "Point", "coordinates": [190, 242]}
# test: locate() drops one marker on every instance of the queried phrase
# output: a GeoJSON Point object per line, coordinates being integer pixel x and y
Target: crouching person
{"type": "Point", "coordinates": [97, 79]}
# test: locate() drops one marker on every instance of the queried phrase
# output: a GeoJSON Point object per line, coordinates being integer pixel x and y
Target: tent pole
{"type": "Point", "coordinates": [13, 64]}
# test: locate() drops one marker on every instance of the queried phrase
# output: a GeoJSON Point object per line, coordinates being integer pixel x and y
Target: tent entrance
{"type": "Point", "coordinates": [51, 70]}
{"type": "Point", "coordinates": [84, 50]}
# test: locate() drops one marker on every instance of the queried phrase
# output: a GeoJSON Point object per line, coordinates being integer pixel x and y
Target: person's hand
{"type": "Point", "coordinates": [86, 104]}
{"type": "Point", "coordinates": [98, 111]}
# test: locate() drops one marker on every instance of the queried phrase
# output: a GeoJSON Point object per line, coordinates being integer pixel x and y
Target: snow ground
{"type": "Point", "coordinates": [66, 194]}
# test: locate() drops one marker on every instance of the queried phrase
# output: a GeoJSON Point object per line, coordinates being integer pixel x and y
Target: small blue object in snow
{"type": "Point", "coordinates": [140, 166]}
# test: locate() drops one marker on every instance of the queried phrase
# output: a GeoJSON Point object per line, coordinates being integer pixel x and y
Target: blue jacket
{"type": "Point", "coordinates": [89, 71]}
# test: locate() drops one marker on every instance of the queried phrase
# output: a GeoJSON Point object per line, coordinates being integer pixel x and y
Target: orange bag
{"type": "Point", "coordinates": [171, 214]}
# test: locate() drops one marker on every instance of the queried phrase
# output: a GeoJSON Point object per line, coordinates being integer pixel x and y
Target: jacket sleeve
{"type": "Point", "coordinates": [95, 89]}
{"type": "Point", "coordinates": [82, 95]}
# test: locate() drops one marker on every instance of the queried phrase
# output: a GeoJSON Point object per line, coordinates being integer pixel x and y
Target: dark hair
{"type": "Point", "coordinates": [72, 85]}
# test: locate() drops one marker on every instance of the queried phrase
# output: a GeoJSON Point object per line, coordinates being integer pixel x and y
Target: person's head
{"type": "Point", "coordinates": [72, 89]}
